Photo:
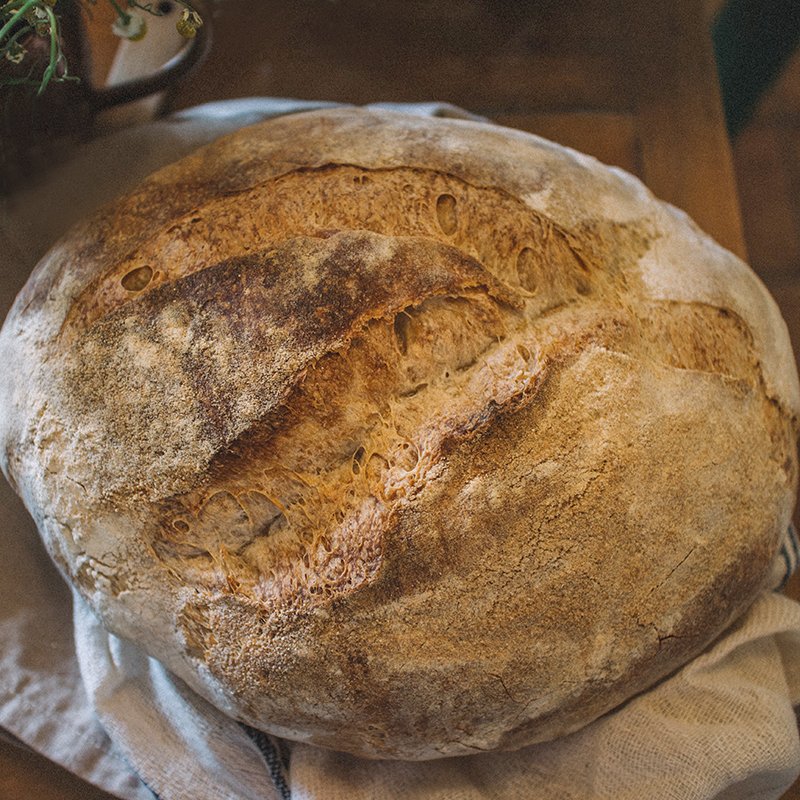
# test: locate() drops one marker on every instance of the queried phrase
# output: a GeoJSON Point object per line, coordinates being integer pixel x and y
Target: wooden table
{"type": "Point", "coordinates": [631, 83]}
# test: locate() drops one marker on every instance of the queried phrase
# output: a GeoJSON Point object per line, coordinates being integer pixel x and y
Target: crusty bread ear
{"type": "Point", "coordinates": [407, 437]}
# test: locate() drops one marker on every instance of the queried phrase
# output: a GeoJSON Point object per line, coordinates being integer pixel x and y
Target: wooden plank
{"type": "Point", "coordinates": [685, 150]}
{"type": "Point", "coordinates": [782, 102]}
{"type": "Point", "coordinates": [793, 793]}
{"type": "Point", "coordinates": [609, 136]}
{"type": "Point", "coordinates": [486, 56]}
{"type": "Point", "coordinates": [24, 774]}
{"type": "Point", "coordinates": [764, 177]}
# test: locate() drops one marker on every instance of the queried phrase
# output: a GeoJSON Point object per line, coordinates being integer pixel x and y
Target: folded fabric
{"type": "Point", "coordinates": [721, 727]}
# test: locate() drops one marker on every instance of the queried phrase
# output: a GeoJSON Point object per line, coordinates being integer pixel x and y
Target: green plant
{"type": "Point", "coordinates": [28, 23]}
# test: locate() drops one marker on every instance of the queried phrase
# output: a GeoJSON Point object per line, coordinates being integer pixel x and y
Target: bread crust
{"type": "Point", "coordinates": [407, 437]}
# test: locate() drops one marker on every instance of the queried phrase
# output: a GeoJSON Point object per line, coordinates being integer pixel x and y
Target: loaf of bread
{"type": "Point", "coordinates": [406, 437]}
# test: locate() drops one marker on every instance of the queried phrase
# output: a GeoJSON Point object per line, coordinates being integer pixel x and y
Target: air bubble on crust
{"type": "Point", "coordinates": [407, 457]}
{"type": "Point", "coordinates": [414, 390]}
{"type": "Point", "coordinates": [400, 326]}
{"type": "Point", "coordinates": [526, 269]}
{"type": "Point", "coordinates": [358, 460]}
{"type": "Point", "coordinates": [137, 279]}
{"type": "Point", "coordinates": [447, 213]}
{"type": "Point", "coordinates": [376, 467]}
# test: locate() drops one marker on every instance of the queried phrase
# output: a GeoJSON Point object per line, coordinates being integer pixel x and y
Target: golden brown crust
{"type": "Point", "coordinates": [411, 438]}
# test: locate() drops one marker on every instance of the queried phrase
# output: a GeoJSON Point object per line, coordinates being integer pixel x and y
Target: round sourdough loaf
{"type": "Point", "coordinates": [407, 437]}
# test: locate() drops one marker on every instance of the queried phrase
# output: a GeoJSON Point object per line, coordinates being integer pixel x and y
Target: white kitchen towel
{"type": "Point", "coordinates": [722, 727]}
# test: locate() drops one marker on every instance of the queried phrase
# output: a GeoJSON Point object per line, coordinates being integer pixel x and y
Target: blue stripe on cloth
{"type": "Point", "coordinates": [789, 569]}
{"type": "Point", "coordinates": [792, 537]}
{"type": "Point", "coordinates": [790, 553]}
{"type": "Point", "coordinates": [276, 763]}
{"type": "Point", "coordinates": [152, 791]}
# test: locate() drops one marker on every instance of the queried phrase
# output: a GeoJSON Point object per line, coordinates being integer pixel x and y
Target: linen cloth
{"type": "Point", "coordinates": [722, 727]}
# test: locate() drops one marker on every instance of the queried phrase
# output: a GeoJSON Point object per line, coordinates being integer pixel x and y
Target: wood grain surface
{"type": "Point", "coordinates": [27, 776]}
{"type": "Point", "coordinates": [631, 83]}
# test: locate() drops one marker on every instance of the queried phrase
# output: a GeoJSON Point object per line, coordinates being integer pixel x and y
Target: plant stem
{"type": "Point", "coordinates": [7, 27]}
{"type": "Point", "coordinates": [5, 45]}
{"type": "Point", "coordinates": [10, 4]}
{"type": "Point", "coordinates": [123, 15]}
{"type": "Point", "coordinates": [51, 67]}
